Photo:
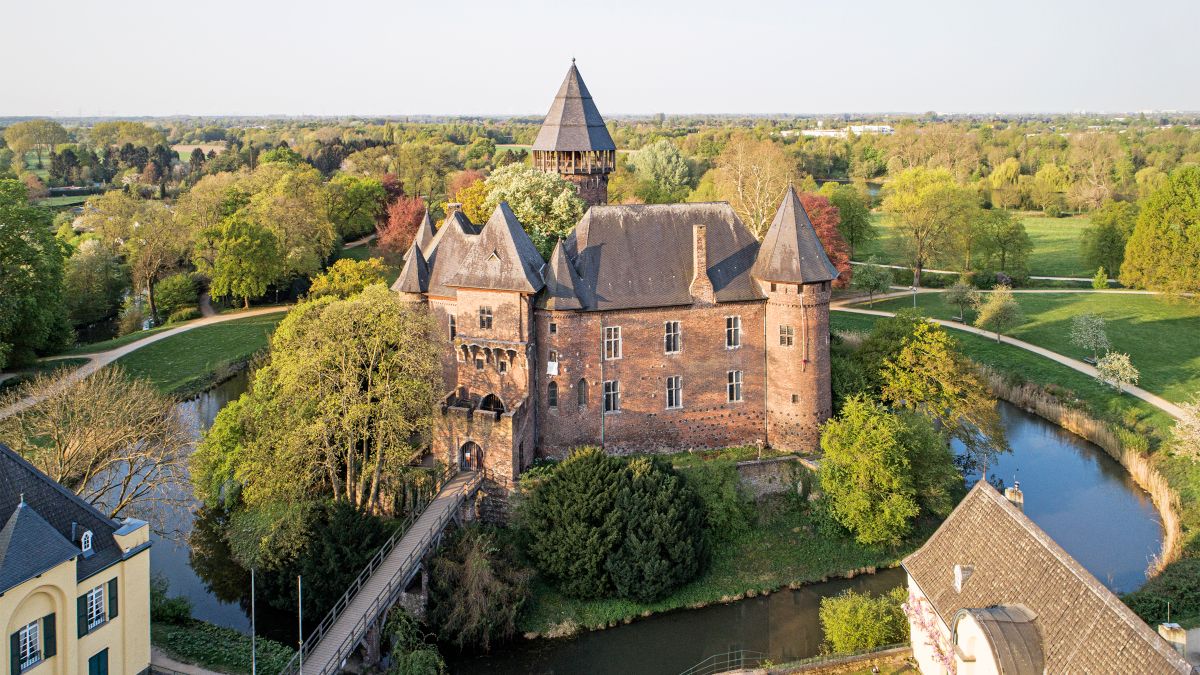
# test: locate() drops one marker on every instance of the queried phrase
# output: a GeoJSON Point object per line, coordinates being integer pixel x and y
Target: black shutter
{"type": "Point", "coordinates": [102, 657]}
{"type": "Point", "coordinates": [112, 599]}
{"type": "Point", "coordinates": [15, 651]}
{"type": "Point", "coordinates": [81, 605]}
{"type": "Point", "coordinates": [49, 636]}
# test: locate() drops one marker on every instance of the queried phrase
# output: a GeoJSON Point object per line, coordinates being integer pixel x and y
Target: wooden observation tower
{"type": "Point", "coordinates": [574, 142]}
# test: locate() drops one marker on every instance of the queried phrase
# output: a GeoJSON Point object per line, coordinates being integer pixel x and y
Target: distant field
{"type": "Point", "coordinates": [1055, 246]}
{"type": "Point", "coordinates": [66, 201]}
{"type": "Point", "coordinates": [185, 151]}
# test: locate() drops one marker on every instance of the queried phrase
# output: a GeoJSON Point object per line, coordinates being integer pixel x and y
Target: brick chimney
{"type": "Point", "coordinates": [1014, 495]}
{"type": "Point", "coordinates": [701, 288]}
{"type": "Point", "coordinates": [452, 207]}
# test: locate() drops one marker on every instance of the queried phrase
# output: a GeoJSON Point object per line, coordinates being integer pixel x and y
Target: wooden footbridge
{"type": "Point", "coordinates": [380, 584]}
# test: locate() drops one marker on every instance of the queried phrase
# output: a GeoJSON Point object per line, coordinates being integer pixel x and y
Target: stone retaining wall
{"type": "Point", "coordinates": [762, 477]}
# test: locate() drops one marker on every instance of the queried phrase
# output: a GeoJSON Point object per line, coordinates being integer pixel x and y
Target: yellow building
{"type": "Point", "coordinates": [74, 584]}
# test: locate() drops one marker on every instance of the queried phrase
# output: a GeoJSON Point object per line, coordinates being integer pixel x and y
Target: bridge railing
{"type": "Point", "coordinates": [744, 658]}
{"type": "Point", "coordinates": [440, 479]}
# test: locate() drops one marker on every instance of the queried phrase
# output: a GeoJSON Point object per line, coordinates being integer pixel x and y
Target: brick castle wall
{"type": "Point", "coordinates": [799, 397]}
{"type": "Point", "coordinates": [593, 189]}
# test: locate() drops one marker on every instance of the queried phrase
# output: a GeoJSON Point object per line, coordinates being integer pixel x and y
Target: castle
{"type": "Point", "coordinates": [656, 326]}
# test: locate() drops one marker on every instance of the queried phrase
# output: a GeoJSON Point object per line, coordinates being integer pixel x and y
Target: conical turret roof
{"type": "Point", "coordinates": [414, 278]}
{"type": "Point", "coordinates": [561, 281]}
{"type": "Point", "coordinates": [425, 233]}
{"type": "Point", "coordinates": [791, 252]}
{"type": "Point", "coordinates": [503, 257]}
{"type": "Point", "coordinates": [573, 122]}
{"type": "Point", "coordinates": [29, 546]}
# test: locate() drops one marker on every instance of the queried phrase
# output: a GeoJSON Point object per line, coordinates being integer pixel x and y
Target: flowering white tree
{"type": "Point", "coordinates": [1187, 430]}
{"type": "Point", "coordinates": [547, 205]}
{"type": "Point", "coordinates": [1087, 331]}
{"type": "Point", "coordinates": [927, 622]}
{"type": "Point", "coordinates": [662, 163]}
{"type": "Point", "coordinates": [1116, 367]}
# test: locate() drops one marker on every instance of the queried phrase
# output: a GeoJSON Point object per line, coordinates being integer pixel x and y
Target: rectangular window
{"type": "Point", "coordinates": [772, 286]}
{"type": "Point", "coordinates": [735, 385]}
{"type": "Point", "coordinates": [552, 395]}
{"type": "Point", "coordinates": [672, 342]}
{"type": "Point", "coordinates": [612, 342]}
{"type": "Point", "coordinates": [787, 335]}
{"type": "Point", "coordinates": [453, 328]}
{"type": "Point", "coordinates": [612, 396]}
{"type": "Point", "coordinates": [795, 399]}
{"type": "Point", "coordinates": [733, 332]}
{"type": "Point", "coordinates": [674, 392]}
{"type": "Point", "coordinates": [502, 366]}
{"type": "Point", "coordinates": [27, 638]}
{"type": "Point", "coordinates": [95, 607]}
{"type": "Point", "coordinates": [478, 363]}
{"type": "Point", "coordinates": [485, 317]}
{"type": "Point", "coordinates": [553, 328]}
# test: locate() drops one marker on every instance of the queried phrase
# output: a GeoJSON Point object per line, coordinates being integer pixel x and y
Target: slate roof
{"type": "Point", "coordinates": [641, 255]}
{"type": "Point", "coordinates": [425, 234]}
{"type": "Point", "coordinates": [502, 258]}
{"type": "Point", "coordinates": [30, 546]}
{"type": "Point", "coordinates": [791, 251]}
{"type": "Point", "coordinates": [561, 282]}
{"type": "Point", "coordinates": [573, 122]}
{"type": "Point", "coordinates": [446, 252]}
{"type": "Point", "coordinates": [1084, 627]}
{"type": "Point", "coordinates": [58, 507]}
{"type": "Point", "coordinates": [414, 278]}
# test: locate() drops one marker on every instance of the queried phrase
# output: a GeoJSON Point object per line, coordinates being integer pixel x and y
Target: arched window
{"type": "Point", "coordinates": [492, 402]}
{"type": "Point", "coordinates": [85, 542]}
{"type": "Point", "coordinates": [582, 391]}
{"type": "Point", "coordinates": [552, 395]}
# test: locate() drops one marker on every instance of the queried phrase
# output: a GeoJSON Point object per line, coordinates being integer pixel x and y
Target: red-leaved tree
{"type": "Point", "coordinates": [393, 187]}
{"type": "Point", "coordinates": [463, 180]}
{"type": "Point", "coordinates": [395, 237]}
{"type": "Point", "coordinates": [824, 217]}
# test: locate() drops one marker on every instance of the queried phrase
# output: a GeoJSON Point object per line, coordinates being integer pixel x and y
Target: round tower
{"type": "Point", "coordinates": [796, 277]}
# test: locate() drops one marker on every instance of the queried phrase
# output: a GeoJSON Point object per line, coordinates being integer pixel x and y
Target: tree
{"type": "Point", "coordinates": [1186, 433]}
{"type": "Point", "coordinates": [120, 132]}
{"type": "Point", "coordinates": [423, 169]}
{"type": "Point", "coordinates": [925, 206]}
{"type": "Point", "coordinates": [462, 181]}
{"type": "Point", "coordinates": [355, 205]}
{"type": "Point", "coordinates": [573, 523]}
{"type": "Point", "coordinates": [412, 651]}
{"type": "Point", "coordinates": [824, 219]}
{"type": "Point", "coordinates": [873, 279]}
{"type": "Point", "coordinates": [41, 136]}
{"type": "Point", "coordinates": [33, 315]}
{"type": "Point", "coordinates": [853, 621]}
{"type": "Point", "coordinates": [94, 282]}
{"type": "Point", "coordinates": [1164, 248]}
{"type": "Point", "coordinates": [1004, 180]}
{"type": "Point", "coordinates": [1115, 366]}
{"type": "Point", "coordinates": [751, 176]}
{"type": "Point", "coordinates": [931, 376]}
{"type": "Point", "coordinates": [1103, 244]}
{"type": "Point", "coordinates": [1004, 243]}
{"type": "Point", "coordinates": [196, 162]}
{"type": "Point", "coordinates": [292, 203]}
{"type": "Point", "coordinates": [474, 199]}
{"type": "Point", "coordinates": [404, 217]}
{"type": "Point", "coordinates": [1093, 158]}
{"type": "Point", "coordinates": [111, 439]}
{"type": "Point", "coordinates": [961, 295]}
{"type": "Point", "coordinates": [1087, 331]}
{"type": "Point", "coordinates": [477, 590]}
{"type": "Point", "coordinates": [546, 204]}
{"type": "Point", "coordinates": [174, 293]}
{"type": "Point", "coordinates": [998, 309]}
{"type": "Point", "coordinates": [348, 277]}
{"type": "Point", "coordinates": [35, 187]}
{"type": "Point", "coordinates": [854, 216]}
{"type": "Point", "coordinates": [663, 164]}
{"type": "Point", "coordinates": [247, 261]}
{"type": "Point", "coordinates": [1100, 279]}
{"type": "Point", "coordinates": [152, 248]}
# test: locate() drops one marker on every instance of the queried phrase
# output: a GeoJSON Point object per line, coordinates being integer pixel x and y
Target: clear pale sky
{"type": "Point", "coordinates": [252, 57]}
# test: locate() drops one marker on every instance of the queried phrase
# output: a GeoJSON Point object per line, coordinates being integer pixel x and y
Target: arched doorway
{"type": "Point", "coordinates": [471, 458]}
{"type": "Point", "coordinates": [493, 403]}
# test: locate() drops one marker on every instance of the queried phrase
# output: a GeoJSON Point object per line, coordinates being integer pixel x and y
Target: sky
{"type": "Point", "coordinates": [358, 57]}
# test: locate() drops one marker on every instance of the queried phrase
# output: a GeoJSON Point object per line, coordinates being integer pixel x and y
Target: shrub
{"type": "Point", "coordinates": [175, 292]}
{"type": "Point", "coordinates": [541, 468]}
{"type": "Point", "coordinates": [1178, 584]}
{"type": "Point", "coordinates": [477, 590]}
{"type": "Point", "coordinates": [727, 511]}
{"type": "Point", "coordinates": [133, 319]}
{"type": "Point", "coordinates": [184, 314]}
{"type": "Point", "coordinates": [1052, 211]}
{"type": "Point", "coordinates": [412, 653]}
{"type": "Point", "coordinates": [163, 609]}
{"type": "Point", "coordinates": [225, 649]}
{"type": "Point", "coordinates": [855, 621]}
{"type": "Point", "coordinates": [848, 378]}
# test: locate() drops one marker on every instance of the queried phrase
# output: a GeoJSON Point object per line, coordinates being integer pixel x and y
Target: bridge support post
{"type": "Point", "coordinates": [373, 642]}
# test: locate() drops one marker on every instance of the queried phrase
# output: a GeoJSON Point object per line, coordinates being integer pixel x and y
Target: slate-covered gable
{"type": "Point", "coordinates": [791, 251]}
{"type": "Point", "coordinates": [561, 281]}
{"type": "Point", "coordinates": [29, 546]}
{"type": "Point", "coordinates": [414, 278]}
{"type": "Point", "coordinates": [446, 252]}
{"type": "Point", "coordinates": [573, 123]}
{"type": "Point", "coordinates": [502, 257]}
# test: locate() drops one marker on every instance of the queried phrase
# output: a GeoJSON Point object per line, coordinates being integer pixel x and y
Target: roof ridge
{"type": "Point", "coordinates": [37, 473]}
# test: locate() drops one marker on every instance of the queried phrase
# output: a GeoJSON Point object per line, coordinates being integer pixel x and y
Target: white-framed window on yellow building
{"type": "Point", "coordinates": [95, 607]}
{"type": "Point", "coordinates": [28, 646]}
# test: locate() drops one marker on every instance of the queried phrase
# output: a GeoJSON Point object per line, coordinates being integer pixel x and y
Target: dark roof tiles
{"type": "Point", "coordinates": [446, 252]}
{"type": "Point", "coordinates": [573, 123]}
{"type": "Point", "coordinates": [791, 251]}
{"type": "Point", "coordinates": [414, 278]}
{"type": "Point", "coordinates": [29, 546]}
{"type": "Point", "coordinates": [502, 258]}
{"type": "Point", "coordinates": [561, 282]}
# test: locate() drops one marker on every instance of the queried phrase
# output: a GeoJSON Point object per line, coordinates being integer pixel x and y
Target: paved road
{"type": "Point", "coordinates": [101, 359]}
{"type": "Point", "coordinates": [360, 242]}
{"type": "Point", "coordinates": [1157, 401]}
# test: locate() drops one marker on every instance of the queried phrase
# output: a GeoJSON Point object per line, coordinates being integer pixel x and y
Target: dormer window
{"type": "Point", "coordinates": [85, 542]}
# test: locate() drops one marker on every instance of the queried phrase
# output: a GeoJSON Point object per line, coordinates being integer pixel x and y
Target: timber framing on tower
{"type": "Point", "coordinates": [574, 142]}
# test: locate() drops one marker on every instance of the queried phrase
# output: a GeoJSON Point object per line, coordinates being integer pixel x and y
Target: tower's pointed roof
{"type": "Point", "coordinates": [414, 278]}
{"type": "Point", "coordinates": [29, 546]}
{"type": "Point", "coordinates": [791, 252]}
{"type": "Point", "coordinates": [561, 282]}
{"type": "Point", "coordinates": [573, 122]}
{"type": "Point", "coordinates": [503, 257]}
{"type": "Point", "coordinates": [425, 233]}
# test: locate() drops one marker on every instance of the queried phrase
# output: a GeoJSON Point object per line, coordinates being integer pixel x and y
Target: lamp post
{"type": "Point", "coordinates": [914, 290]}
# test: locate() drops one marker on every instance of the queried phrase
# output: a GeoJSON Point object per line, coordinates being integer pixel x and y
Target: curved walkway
{"type": "Point", "coordinates": [101, 359]}
{"type": "Point", "coordinates": [905, 267]}
{"type": "Point", "coordinates": [1156, 401]}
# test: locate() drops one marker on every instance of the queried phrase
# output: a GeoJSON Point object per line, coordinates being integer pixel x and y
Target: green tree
{"type": "Point", "coordinates": [873, 279]}
{"type": "Point", "coordinates": [854, 621]}
{"type": "Point", "coordinates": [1088, 331]}
{"type": "Point", "coordinates": [33, 314]}
{"type": "Point", "coordinates": [247, 261]}
{"type": "Point", "coordinates": [925, 205]}
{"type": "Point", "coordinates": [855, 217]}
{"type": "Point", "coordinates": [998, 309]}
{"type": "Point", "coordinates": [546, 204]}
{"type": "Point", "coordinates": [961, 295]}
{"type": "Point", "coordinates": [1100, 279]}
{"type": "Point", "coordinates": [348, 277]}
{"type": "Point", "coordinates": [477, 590]}
{"type": "Point", "coordinates": [413, 653]}
{"type": "Point", "coordinates": [663, 545]}
{"type": "Point", "coordinates": [1103, 244]}
{"type": "Point", "coordinates": [94, 282]}
{"type": "Point", "coordinates": [1164, 248]}
{"type": "Point", "coordinates": [886, 341]}
{"type": "Point", "coordinates": [41, 136]}
{"type": "Point", "coordinates": [1116, 367]}
{"type": "Point", "coordinates": [120, 132]}
{"type": "Point", "coordinates": [355, 204]}
{"type": "Point", "coordinates": [176, 292]}
{"type": "Point", "coordinates": [663, 164]}
{"type": "Point", "coordinates": [573, 523]}
{"type": "Point", "coordinates": [1004, 243]}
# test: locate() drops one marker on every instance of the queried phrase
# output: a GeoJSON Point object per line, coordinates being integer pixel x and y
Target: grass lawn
{"type": "Point", "coordinates": [1161, 334]}
{"type": "Point", "coordinates": [1055, 246]}
{"type": "Point", "coordinates": [191, 360]}
{"type": "Point", "coordinates": [107, 345]}
{"type": "Point", "coordinates": [73, 200]}
{"type": "Point", "coordinates": [221, 649]}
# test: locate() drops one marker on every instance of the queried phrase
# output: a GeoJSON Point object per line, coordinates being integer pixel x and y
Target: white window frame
{"type": "Point", "coordinates": [787, 335]}
{"type": "Point", "coordinates": [612, 396]}
{"type": "Point", "coordinates": [733, 389]}
{"type": "Point", "coordinates": [30, 645]}
{"type": "Point", "coordinates": [733, 332]}
{"type": "Point", "coordinates": [85, 541]}
{"type": "Point", "coordinates": [95, 607]}
{"type": "Point", "coordinates": [674, 392]}
{"type": "Point", "coordinates": [612, 343]}
{"type": "Point", "coordinates": [672, 332]}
